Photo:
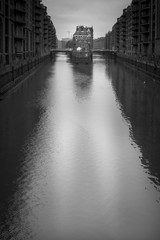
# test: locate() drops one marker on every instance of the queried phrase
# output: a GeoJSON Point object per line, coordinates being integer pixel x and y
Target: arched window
{"type": "Point", "coordinates": [1, 36]}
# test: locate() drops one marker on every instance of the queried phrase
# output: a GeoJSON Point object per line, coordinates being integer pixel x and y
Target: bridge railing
{"type": "Point", "coordinates": [61, 50]}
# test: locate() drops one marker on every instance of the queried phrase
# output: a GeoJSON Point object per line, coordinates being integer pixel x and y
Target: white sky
{"type": "Point", "coordinates": [101, 14]}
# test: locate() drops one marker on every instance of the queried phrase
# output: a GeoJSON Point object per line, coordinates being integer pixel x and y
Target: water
{"type": "Point", "coordinates": [79, 154]}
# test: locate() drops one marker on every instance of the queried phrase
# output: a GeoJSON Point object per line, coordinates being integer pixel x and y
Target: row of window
{"type": "Point", "coordinates": [0, 5]}
{"type": "Point", "coordinates": [82, 36]}
{"type": "Point", "coordinates": [1, 34]}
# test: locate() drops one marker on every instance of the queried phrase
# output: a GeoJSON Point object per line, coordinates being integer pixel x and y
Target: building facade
{"type": "Point", "coordinates": [114, 38]}
{"type": "Point", "coordinates": [83, 37]}
{"type": "Point", "coordinates": [99, 43]}
{"type": "Point", "coordinates": [64, 42]}
{"type": "Point", "coordinates": [137, 30]}
{"type": "Point", "coordinates": [26, 31]}
{"type": "Point", "coordinates": [108, 40]}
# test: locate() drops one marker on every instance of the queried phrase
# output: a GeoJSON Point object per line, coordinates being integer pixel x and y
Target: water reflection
{"type": "Point", "coordinates": [21, 113]}
{"type": "Point", "coordinates": [83, 75]}
{"type": "Point", "coordinates": [139, 98]}
{"type": "Point", "coordinates": [74, 158]}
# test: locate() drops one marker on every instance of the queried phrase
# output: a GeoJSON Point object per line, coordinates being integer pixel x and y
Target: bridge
{"type": "Point", "coordinates": [61, 50]}
{"type": "Point", "coordinates": [66, 50]}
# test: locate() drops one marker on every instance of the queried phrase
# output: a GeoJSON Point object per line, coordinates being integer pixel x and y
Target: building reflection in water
{"type": "Point", "coordinates": [138, 97]}
{"type": "Point", "coordinates": [22, 113]}
{"type": "Point", "coordinates": [68, 169]}
{"type": "Point", "coordinates": [83, 75]}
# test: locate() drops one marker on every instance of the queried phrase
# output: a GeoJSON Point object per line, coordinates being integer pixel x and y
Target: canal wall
{"type": "Point", "coordinates": [11, 76]}
{"type": "Point", "coordinates": [150, 66]}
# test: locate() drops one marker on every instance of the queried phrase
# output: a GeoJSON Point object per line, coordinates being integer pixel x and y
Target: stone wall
{"type": "Point", "coordinates": [11, 76]}
{"type": "Point", "coordinates": [150, 66]}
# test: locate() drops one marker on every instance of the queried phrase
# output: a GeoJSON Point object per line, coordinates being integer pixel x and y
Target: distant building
{"type": "Point", "coordinates": [59, 44]}
{"type": "Point", "coordinates": [99, 43]}
{"type": "Point", "coordinates": [108, 41]}
{"type": "Point", "coordinates": [113, 38]}
{"type": "Point", "coordinates": [128, 36]}
{"type": "Point", "coordinates": [83, 37]}
{"type": "Point", "coordinates": [82, 44]}
{"type": "Point", "coordinates": [64, 42]}
{"type": "Point", "coordinates": [157, 28]}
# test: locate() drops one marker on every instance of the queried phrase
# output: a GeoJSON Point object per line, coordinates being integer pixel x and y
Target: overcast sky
{"type": "Point", "coordinates": [101, 14]}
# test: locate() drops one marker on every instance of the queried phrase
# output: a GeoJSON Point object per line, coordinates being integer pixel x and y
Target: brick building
{"type": "Point", "coordinates": [108, 40]}
{"type": "Point", "coordinates": [26, 31]}
{"type": "Point", "coordinates": [137, 30]}
{"type": "Point", "coordinates": [122, 32]}
{"type": "Point", "coordinates": [157, 28]}
{"type": "Point", "coordinates": [115, 37]}
{"type": "Point", "coordinates": [99, 43]}
{"type": "Point", "coordinates": [129, 37]}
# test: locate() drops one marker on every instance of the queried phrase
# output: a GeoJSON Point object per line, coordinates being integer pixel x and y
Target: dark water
{"type": "Point", "coordinates": [80, 154]}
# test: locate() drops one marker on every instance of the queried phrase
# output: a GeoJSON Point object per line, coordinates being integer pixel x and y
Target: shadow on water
{"type": "Point", "coordinates": [21, 114]}
{"type": "Point", "coordinates": [138, 98]}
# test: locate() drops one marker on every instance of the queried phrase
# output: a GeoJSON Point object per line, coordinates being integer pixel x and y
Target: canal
{"type": "Point", "coordinates": [80, 154]}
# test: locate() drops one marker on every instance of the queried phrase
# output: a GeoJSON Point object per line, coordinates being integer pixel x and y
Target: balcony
{"type": "Point", "coordinates": [135, 1]}
{"type": "Point", "coordinates": [45, 33]}
{"type": "Point", "coordinates": [145, 14]}
{"type": "Point", "coordinates": [37, 25]}
{"type": "Point", "coordinates": [38, 18]}
{"type": "Point", "coordinates": [144, 1]}
{"type": "Point", "coordinates": [38, 40]}
{"type": "Point", "coordinates": [145, 22]}
{"type": "Point", "coordinates": [135, 15]}
{"type": "Point", "coordinates": [135, 9]}
{"type": "Point", "coordinates": [135, 22]}
{"type": "Point", "coordinates": [145, 39]}
{"type": "Point", "coordinates": [145, 30]}
{"type": "Point", "coordinates": [45, 27]}
{"type": "Point", "coordinates": [46, 20]}
{"type": "Point", "coordinates": [135, 34]}
{"type": "Point", "coordinates": [135, 41]}
{"type": "Point", "coordinates": [46, 41]}
{"type": "Point", "coordinates": [38, 5]}
{"type": "Point", "coordinates": [20, 19]}
{"type": "Point", "coordinates": [145, 7]}
{"type": "Point", "coordinates": [21, 1]}
{"type": "Point", "coordinates": [135, 28]}
{"type": "Point", "coordinates": [37, 31]}
{"type": "Point", "coordinates": [20, 8]}
{"type": "Point", "coordinates": [19, 35]}
{"type": "Point", "coordinates": [38, 11]}
{"type": "Point", "coordinates": [145, 43]}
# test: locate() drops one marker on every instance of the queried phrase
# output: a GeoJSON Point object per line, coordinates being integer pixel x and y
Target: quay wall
{"type": "Point", "coordinates": [11, 76]}
{"type": "Point", "coordinates": [149, 66]}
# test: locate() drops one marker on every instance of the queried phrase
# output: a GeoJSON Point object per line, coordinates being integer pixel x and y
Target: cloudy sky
{"type": "Point", "coordinates": [101, 14]}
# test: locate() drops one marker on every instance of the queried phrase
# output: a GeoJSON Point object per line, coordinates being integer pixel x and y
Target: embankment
{"type": "Point", "coordinates": [11, 76]}
{"type": "Point", "coordinates": [150, 67]}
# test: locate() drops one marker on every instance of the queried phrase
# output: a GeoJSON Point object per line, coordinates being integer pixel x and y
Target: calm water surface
{"type": "Point", "coordinates": [80, 154]}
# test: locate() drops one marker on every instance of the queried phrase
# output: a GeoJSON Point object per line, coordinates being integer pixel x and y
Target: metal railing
{"type": "Point", "coordinates": [153, 61]}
